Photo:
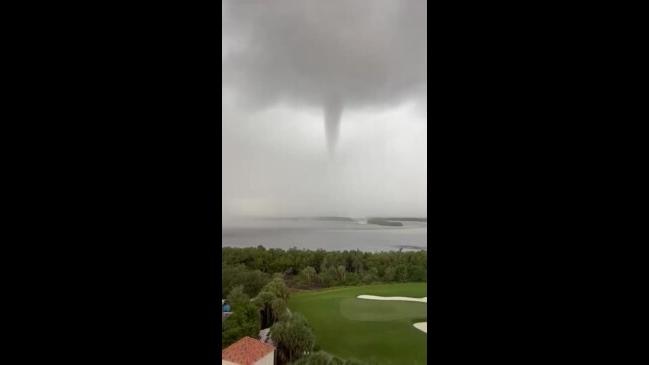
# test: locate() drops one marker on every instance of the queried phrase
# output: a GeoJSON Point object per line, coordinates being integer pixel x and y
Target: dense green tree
{"type": "Point", "coordinates": [389, 273]}
{"type": "Point", "coordinates": [351, 278]}
{"type": "Point", "coordinates": [278, 288]}
{"type": "Point", "coordinates": [340, 273]}
{"type": "Point", "coordinates": [243, 322]}
{"type": "Point", "coordinates": [416, 273]}
{"type": "Point", "coordinates": [252, 280]}
{"type": "Point", "coordinates": [328, 277]}
{"type": "Point", "coordinates": [401, 273]}
{"type": "Point", "coordinates": [357, 264]}
{"type": "Point", "coordinates": [237, 297]}
{"type": "Point", "coordinates": [324, 265]}
{"type": "Point", "coordinates": [309, 275]}
{"type": "Point", "coordinates": [370, 276]}
{"type": "Point", "coordinates": [279, 308]}
{"type": "Point", "coordinates": [264, 303]}
{"type": "Point", "coordinates": [255, 267]}
{"type": "Point", "coordinates": [272, 301]}
{"type": "Point", "coordinates": [293, 337]}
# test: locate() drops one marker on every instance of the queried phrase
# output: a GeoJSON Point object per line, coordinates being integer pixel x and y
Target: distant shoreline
{"type": "Point", "coordinates": [382, 221]}
{"type": "Point", "coordinates": [397, 248]}
{"type": "Point", "coordinates": [327, 233]}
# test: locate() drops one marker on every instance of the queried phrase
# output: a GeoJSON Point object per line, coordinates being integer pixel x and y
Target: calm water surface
{"type": "Point", "coordinates": [325, 235]}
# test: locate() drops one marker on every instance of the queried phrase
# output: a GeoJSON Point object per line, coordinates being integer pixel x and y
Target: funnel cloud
{"type": "Point", "coordinates": [333, 109]}
{"type": "Point", "coordinates": [324, 107]}
{"type": "Point", "coordinates": [366, 53]}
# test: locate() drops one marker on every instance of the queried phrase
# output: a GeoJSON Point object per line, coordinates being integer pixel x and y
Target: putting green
{"type": "Point", "coordinates": [372, 310]}
{"type": "Point", "coordinates": [372, 331]}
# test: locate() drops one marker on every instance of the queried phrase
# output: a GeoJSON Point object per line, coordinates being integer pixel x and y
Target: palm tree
{"type": "Point", "coordinates": [340, 273]}
{"type": "Point", "coordinates": [309, 274]}
{"type": "Point", "coordinates": [293, 338]}
{"type": "Point", "coordinates": [263, 301]}
{"type": "Point", "coordinates": [279, 308]}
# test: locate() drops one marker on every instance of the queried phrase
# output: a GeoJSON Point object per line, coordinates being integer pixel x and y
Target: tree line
{"type": "Point", "coordinates": [255, 266]}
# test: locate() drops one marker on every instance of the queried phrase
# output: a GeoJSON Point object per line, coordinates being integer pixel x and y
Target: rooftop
{"type": "Point", "coordinates": [246, 351]}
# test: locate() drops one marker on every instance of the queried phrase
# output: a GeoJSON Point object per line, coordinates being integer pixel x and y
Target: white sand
{"type": "Point", "coordinates": [422, 326]}
{"type": "Point", "coordinates": [407, 299]}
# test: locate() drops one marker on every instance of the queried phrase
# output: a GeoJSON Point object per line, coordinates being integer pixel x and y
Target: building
{"type": "Point", "coordinates": [248, 351]}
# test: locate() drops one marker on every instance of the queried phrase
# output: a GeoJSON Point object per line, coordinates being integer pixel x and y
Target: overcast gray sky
{"type": "Point", "coordinates": [289, 65]}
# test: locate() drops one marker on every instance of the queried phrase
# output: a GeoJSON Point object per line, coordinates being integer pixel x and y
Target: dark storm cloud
{"type": "Point", "coordinates": [333, 54]}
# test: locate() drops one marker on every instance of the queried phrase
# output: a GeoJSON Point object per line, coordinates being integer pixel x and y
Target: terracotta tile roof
{"type": "Point", "coordinates": [246, 351]}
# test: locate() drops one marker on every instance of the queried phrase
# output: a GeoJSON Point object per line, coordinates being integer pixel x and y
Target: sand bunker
{"type": "Point", "coordinates": [407, 299]}
{"type": "Point", "coordinates": [422, 326]}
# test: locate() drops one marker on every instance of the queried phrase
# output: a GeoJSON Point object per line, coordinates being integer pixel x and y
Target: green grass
{"type": "Point", "coordinates": [375, 332]}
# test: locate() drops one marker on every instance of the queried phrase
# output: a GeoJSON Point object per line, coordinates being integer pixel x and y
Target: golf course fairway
{"type": "Point", "coordinates": [372, 331]}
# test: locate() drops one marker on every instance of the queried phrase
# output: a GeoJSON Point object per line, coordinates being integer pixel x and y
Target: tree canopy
{"type": "Point", "coordinates": [244, 321]}
{"type": "Point", "coordinates": [237, 297]}
{"type": "Point", "coordinates": [254, 267]}
{"type": "Point", "coordinates": [293, 337]}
